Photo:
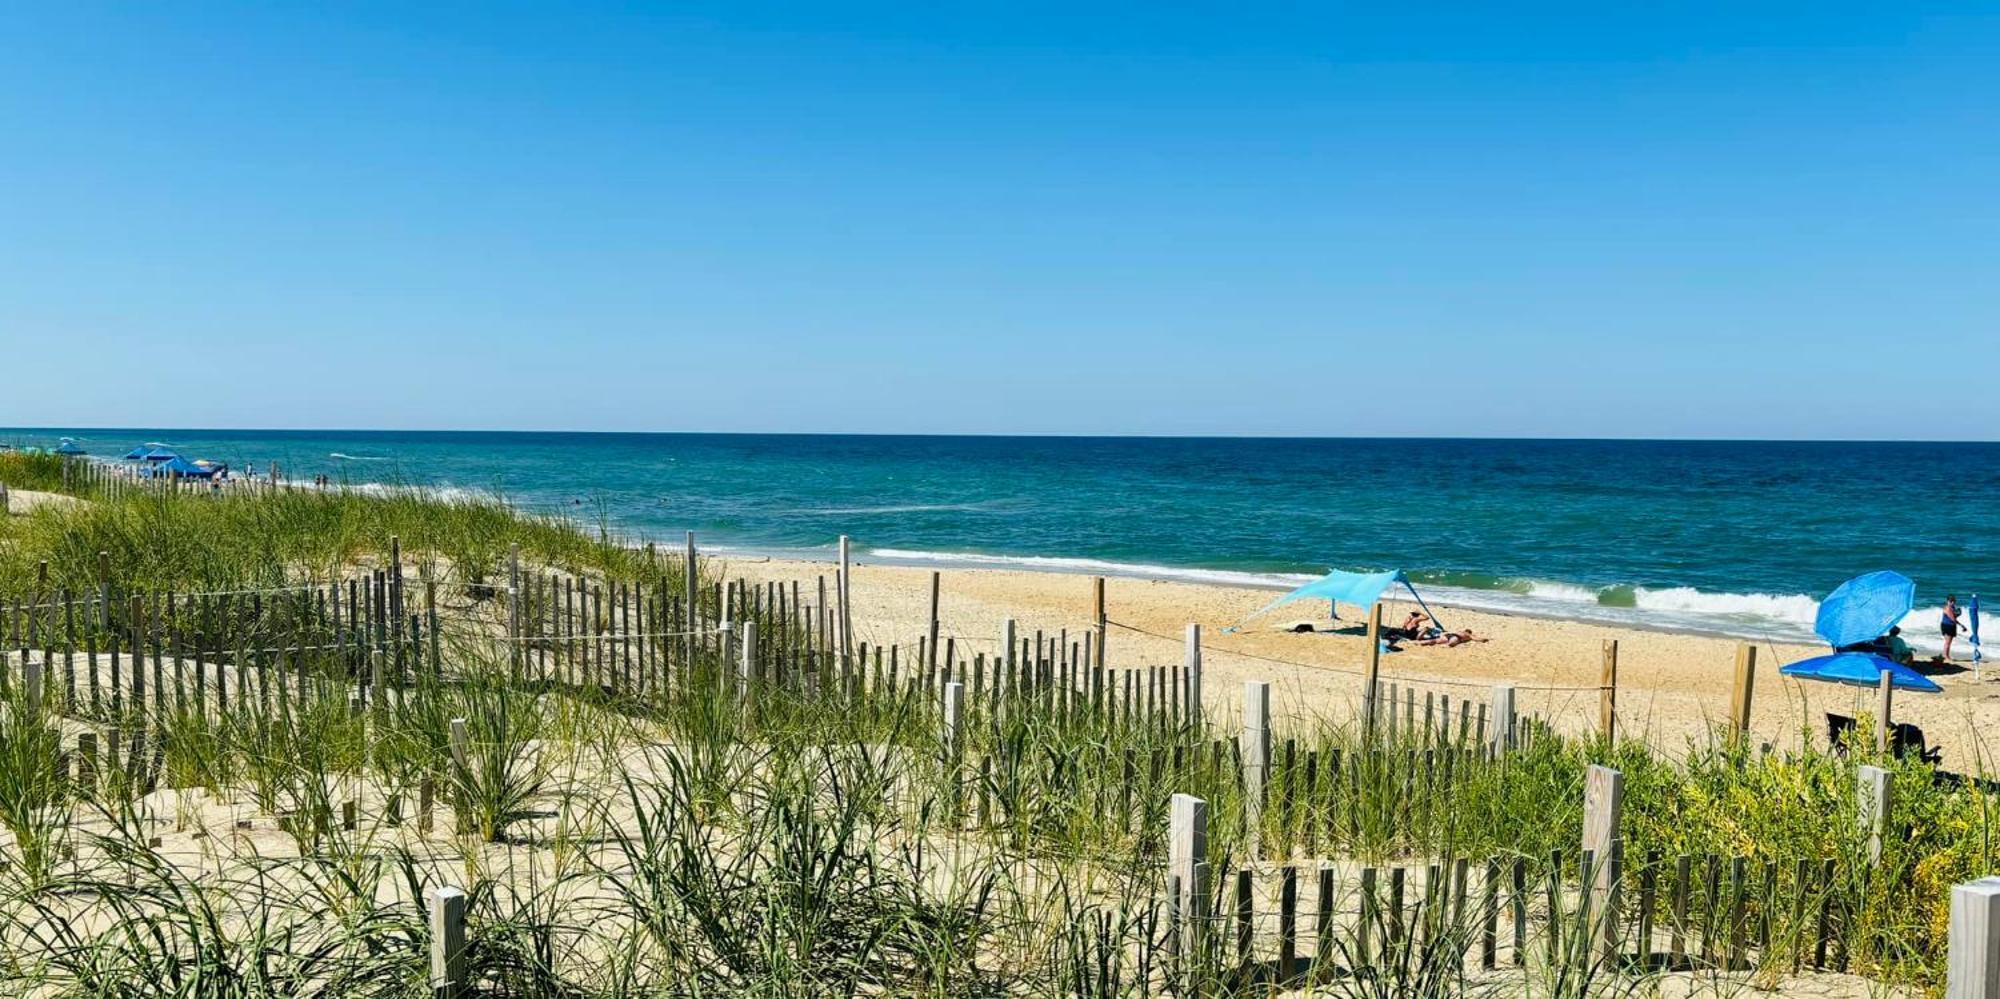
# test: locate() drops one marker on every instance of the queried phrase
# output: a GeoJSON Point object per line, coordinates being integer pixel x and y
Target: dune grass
{"type": "Point", "coordinates": [781, 836]}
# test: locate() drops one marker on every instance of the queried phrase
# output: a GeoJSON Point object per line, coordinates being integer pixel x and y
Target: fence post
{"type": "Point", "coordinates": [746, 670]}
{"type": "Point", "coordinates": [1503, 717]}
{"type": "Point", "coordinates": [1740, 691]}
{"type": "Point", "coordinates": [931, 653]}
{"type": "Point", "coordinates": [1187, 841]}
{"type": "Point", "coordinates": [1008, 639]}
{"type": "Point", "coordinates": [846, 606]}
{"type": "Point", "coordinates": [514, 605]}
{"type": "Point", "coordinates": [690, 640]}
{"type": "Point", "coordinates": [1973, 961]}
{"type": "Point", "coordinates": [1371, 682]}
{"type": "Point", "coordinates": [1097, 595]}
{"type": "Point", "coordinates": [1874, 785]}
{"type": "Point", "coordinates": [1190, 658]}
{"type": "Point", "coordinates": [1607, 701]}
{"type": "Point", "coordinates": [1256, 743]}
{"type": "Point", "coordinates": [447, 912]}
{"type": "Point", "coordinates": [1603, 801]}
{"type": "Point", "coordinates": [31, 676]}
{"type": "Point", "coordinates": [954, 716]}
{"type": "Point", "coordinates": [1885, 702]}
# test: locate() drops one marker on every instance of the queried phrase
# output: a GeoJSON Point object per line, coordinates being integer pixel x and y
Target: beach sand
{"type": "Point", "coordinates": [1672, 688]}
{"type": "Point", "coordinates": [21, 502]}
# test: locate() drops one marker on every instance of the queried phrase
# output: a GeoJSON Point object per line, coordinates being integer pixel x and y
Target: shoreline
{"type": "Point", "coordinates": [1482, 602]}
{"type": "Point", "coordinates": [1672, 686]}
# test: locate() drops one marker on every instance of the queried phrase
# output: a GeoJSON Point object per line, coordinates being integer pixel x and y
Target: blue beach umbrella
{"type": "Point", "coordinates": [1860, 669]}
{"type": "Point", "coordinates": [1864, 608]}
{"type": "Point", "coordinates": [69, 446]}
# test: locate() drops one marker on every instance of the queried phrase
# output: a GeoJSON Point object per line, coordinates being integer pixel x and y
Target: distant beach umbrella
{"type": "Point", "coordinates": [138, 453]}
{"type": "Point", "coordinates": [159, 453]}
{"type": "Point", "coordinates": [1860, 669]}
{"type": "Point", "coordinates": [184, 468]}
{"type": "Point", "coordinates": [1864, 608]}
{"type": "Point", "coordinates": [70, 447]}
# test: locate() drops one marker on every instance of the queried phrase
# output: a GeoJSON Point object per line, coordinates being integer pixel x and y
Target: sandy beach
{"type": "Point", "coordinates": [1671, 688]}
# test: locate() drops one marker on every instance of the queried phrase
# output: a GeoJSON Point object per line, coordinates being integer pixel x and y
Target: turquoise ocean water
{"type": "Point", "coordinates": [1732, 537]}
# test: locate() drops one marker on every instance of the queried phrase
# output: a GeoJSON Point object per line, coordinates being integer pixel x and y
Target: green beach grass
{"type": "Point", "coordinates": [784, 836]}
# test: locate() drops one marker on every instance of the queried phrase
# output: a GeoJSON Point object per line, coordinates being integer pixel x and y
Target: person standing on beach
{"type": "Point", "coordinates": [1948, 624]}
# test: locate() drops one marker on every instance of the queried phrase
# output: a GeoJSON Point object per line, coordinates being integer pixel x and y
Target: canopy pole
{"type": "Point", "coordinates": [1420, 603]}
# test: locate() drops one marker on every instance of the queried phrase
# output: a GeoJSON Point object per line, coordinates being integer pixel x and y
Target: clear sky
{"type": "Point", "coordinates": [1603, 219]}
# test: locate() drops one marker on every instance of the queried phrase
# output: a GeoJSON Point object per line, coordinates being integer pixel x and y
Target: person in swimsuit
{"type": "Point", "coordinates": [1948, 624]}
{"type": "Point", "coordinates": [1411, 628]}
{"type": "Point", "coordinates": [1454, 639]}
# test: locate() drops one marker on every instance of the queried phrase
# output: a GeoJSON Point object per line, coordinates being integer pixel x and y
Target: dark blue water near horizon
{"type": "Point", "coordinates": [1721, 535]}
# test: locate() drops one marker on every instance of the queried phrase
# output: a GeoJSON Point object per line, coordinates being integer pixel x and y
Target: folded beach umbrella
{"type": "Point", "coordinates": [1864, 608]}
{"type": "Point", "coordinates": [1972, 614]}
{"type": "Point", "coordinates": [1860, 669]}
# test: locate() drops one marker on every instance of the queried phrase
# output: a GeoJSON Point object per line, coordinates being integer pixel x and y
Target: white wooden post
{"type": "Point", "coordinates": [1873, 796]}
{"type": "Point", "coordinates": [447, 912]}
{"type": "Point", "coordinates": [746, 670]}
{"type": "Point", "coordinates": [1973, 961]}
{"type": "Point", "coordinates": [460, 746]}
{"type": "Point", "coordinates": [1256, 743]}
{"type": "Point", "coordinates": [1187, 841]}
{"type": "Point", "coordinates": [1603, 800]}
{"type": "Point", "coordinates": [1191, 658]}
{"type": "Point", "coordinates": [1503, 717]}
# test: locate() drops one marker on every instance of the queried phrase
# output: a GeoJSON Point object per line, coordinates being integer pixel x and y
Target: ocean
{"type": "Point", "coordinates": [1726, 537]}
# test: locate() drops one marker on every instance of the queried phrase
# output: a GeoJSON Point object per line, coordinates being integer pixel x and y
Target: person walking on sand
{"type": "Point", "coordinates": [1948, 624]}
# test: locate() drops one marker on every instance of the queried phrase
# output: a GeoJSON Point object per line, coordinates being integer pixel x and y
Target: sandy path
{"type": "Point", "coordinates": [1670, 686]}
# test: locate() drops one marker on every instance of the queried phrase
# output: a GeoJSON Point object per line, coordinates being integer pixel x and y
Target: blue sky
{"type": "Point", "coordinates": [1601, 219]}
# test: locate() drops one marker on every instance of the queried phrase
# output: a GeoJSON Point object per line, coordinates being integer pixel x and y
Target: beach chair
{"type": "Point", "coordinates": [1906, 738]}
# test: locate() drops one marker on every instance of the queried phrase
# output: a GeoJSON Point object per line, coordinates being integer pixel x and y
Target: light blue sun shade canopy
{"type": "Point", "coordinates": [1864, 608]}
{"type": "Point", "coordinates": [1860, 669]}
{"type": "Point", "coordinates": [1362, 589]}
{"type": "Point", "coordinates": [69, 447]}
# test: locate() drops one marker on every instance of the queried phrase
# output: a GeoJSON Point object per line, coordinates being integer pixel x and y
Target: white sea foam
{"type": "Point", "coordinates": [1541, 589]}
{"type": "Point", "coordinates": [859, 511]}
{"type": "Point", "coordinates": [356, 457]}
{"type": "Point", "coordinates": [1050, 563]}
{"type": "Point", "coordinates": [1786, 617]}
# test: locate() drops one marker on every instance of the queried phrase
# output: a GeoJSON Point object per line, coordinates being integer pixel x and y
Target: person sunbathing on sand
{"type": "Point", "coordinates": [1454, 639]}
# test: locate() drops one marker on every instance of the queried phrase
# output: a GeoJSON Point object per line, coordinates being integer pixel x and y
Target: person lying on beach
{"type": "Point", "coordinates": [1454, 639]}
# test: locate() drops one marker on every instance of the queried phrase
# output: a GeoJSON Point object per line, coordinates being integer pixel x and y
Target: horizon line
{"type": "Point", "coordinates": [1047, 435]}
